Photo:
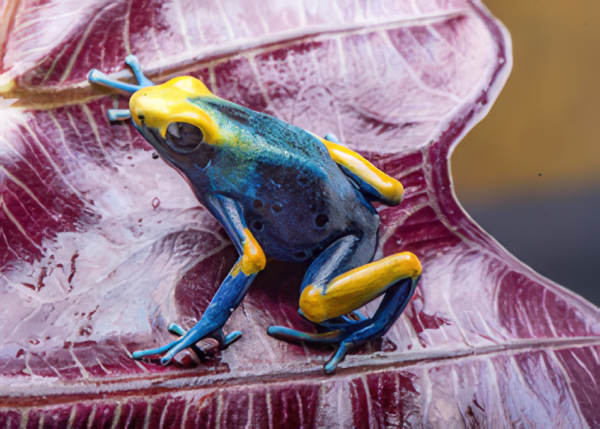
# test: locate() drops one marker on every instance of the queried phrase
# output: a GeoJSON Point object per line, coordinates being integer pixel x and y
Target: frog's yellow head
{"type": "Point", "coordinates": [166, 109]}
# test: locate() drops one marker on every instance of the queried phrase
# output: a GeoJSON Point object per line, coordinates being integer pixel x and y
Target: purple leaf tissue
{"type": "Point", "coordinates": [102, 245]}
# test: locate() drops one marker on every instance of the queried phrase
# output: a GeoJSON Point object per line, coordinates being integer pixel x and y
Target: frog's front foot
{"type": "Point", "coordinates": [99, 78]}
{"type": "Point", "coordinates": [203, 347]}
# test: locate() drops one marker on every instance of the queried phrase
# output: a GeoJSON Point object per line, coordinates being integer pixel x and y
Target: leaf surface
{"type": "Point", "coordinates": [102, 247]}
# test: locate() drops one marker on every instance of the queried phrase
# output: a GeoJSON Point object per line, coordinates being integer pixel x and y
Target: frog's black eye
{"type": "Point", "coordinates": [184, 137]}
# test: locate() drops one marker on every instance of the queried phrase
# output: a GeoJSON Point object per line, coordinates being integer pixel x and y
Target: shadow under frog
{"type": "Point", "coordinates": [280, 193]}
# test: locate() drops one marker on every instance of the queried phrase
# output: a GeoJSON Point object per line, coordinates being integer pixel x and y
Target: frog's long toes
{"type": "Point", "coordinates": [132, 61]}
{"type": "Point", "coordinates": [118, 114]}
{"type": "Point", "coordinates": [287, 334]}
{"type": "Point", "coordinates": [153, 352]}
{"type": "Point", "coordinates": [232, 337]}
{"type": "Point", "coordinates": [337, 357]}
{"type": "Point", "coordinates": [97, 77]}
{"type": "Point", "coordinates": [175, 329]}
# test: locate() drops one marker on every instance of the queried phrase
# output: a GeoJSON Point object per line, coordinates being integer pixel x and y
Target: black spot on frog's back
{"type": "Point", "coordinates": [292, 211]}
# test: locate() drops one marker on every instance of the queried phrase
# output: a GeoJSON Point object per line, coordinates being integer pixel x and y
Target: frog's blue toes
{"type": "Point", "coordinates": [96, 76]}
{"type": "Point", "coordinates": [118, 114]}
{"type": "Point", "coordinates": [287, 334]}
{"type": "Point", "coordinates": [132, 61]}
{"type": "Point", "coordinates": [337, 357]}
{"type": "Point", "coordinates": [175, 329]}
{"type": "Point", "coordinates": [234, 336]}
{"type": "Point", "coordinates": [338, 336]}
{"type": "Point", "coordinates": [188, 339]}
{"type": "Point", "coordinates": [153, 352]}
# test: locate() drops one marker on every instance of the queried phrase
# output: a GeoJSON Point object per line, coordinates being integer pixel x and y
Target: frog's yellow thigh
{"type": "Point", "coordinates": [357, 287]}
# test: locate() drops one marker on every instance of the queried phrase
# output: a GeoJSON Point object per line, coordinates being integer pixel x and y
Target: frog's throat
{"type": "Point", "coordinates": [158, 106]}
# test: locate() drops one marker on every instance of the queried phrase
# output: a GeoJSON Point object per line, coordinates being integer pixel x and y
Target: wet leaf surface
{"type": "Point", "coordinates": [102, 246]}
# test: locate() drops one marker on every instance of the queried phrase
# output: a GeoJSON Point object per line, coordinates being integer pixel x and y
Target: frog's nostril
{"type": "Point", "coordinates": [141, 117]}
{"type": "Point", "coordinates": [321, 220]}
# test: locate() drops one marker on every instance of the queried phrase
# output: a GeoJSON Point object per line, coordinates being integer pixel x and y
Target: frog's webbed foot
{"type": "Point", "coordinates": [339, 282]}
{"type": "Point", "coordinates": [354, 333]}
{"type": "Point", "coordinates": [207, 346]}
{"type": "Point", "coordinates": [97, 77]}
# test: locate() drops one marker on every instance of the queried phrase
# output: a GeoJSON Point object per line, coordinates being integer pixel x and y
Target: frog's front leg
{"type": "Point", "coordinates": [337, 284]}
{"type": "Point", "coordinates": [233, 289]}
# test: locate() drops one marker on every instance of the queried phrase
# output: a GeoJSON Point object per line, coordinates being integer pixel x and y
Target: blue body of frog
{"type": "Point", "coordinates": [280, 194]}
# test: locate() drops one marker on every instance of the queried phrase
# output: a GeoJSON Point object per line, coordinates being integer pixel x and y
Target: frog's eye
{"type": "Point", "coordinates": [184, 137]}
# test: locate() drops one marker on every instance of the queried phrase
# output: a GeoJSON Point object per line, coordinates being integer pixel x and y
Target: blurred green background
{"type": "Point", "coordinates": [529, 173]}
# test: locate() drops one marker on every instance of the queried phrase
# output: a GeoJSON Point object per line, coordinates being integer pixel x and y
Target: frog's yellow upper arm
{"type": "Point", "coordinates": [389, 188]}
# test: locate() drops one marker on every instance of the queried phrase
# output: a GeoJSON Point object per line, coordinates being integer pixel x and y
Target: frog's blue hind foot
{"type": "Point", "coordinates": [97, 77]}
{"type": "Point", "coordinates": [354, 333]}
{"type": "Point", "coordinates": [339, 282]}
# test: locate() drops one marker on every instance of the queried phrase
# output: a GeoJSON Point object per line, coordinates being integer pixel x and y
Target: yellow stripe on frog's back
{"type": "Point", "coordinates": [389, 188]}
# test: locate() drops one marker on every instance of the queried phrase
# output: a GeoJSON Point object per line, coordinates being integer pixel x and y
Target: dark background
{"type": "Point", "coordinates": [529, 173]}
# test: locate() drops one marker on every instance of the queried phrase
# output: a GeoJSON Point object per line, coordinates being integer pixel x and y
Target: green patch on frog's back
{"type": "Point", "coordinates": [264, 135]}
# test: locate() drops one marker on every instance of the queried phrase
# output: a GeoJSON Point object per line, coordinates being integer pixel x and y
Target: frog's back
{"type": "Point", "coordinates": [296, 200]}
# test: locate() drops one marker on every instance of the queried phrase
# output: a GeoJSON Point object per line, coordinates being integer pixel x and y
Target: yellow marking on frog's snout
{"type": "Point", "coordinates": [253, 259]}
{"type": "Point", "coordinates": [159, 105]}
{"type": "Point", "coordinates": [352, 290]}
{"type": "Point", "coordinates": [389, 188]}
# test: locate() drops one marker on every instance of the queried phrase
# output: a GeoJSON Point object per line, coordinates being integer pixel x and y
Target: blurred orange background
{"type": "Point", "coordinates": [531, 169]}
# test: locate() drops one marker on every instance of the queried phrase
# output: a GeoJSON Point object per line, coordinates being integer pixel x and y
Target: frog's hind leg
{"type": "Point", "coordinates": [339, 282]}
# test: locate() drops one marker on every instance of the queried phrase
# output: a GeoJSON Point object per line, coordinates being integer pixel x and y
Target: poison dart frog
{"type": "Point", "coordinates": [280, 192]}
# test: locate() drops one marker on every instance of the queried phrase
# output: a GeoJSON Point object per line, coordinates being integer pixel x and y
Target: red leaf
{"type": "Point", "coordinates": [103, 246]}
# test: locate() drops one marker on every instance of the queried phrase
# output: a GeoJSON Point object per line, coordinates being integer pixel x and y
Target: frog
{"type": "Point", "coordinates": [281, 193]}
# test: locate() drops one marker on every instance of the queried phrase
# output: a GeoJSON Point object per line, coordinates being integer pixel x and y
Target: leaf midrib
{"type": "Point", "coordinates": [51, 392]}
